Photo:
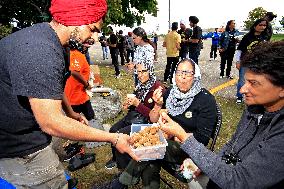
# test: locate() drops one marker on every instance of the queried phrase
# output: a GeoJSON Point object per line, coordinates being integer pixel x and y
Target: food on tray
{"type": "Point", "coordinates": [146, 137]}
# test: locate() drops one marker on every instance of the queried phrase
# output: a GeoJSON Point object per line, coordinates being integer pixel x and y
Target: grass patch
{"type": "Point", "coordinates": [277, 37]}
{"type": "Point", "coordinates": [96, 173]}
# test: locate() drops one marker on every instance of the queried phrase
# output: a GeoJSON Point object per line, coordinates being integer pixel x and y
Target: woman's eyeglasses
{"type": "Point", "coordinates": [187, 73]}
{"type": "Point", "coordinates": [142, 71]}
{"type": "Point", "coordinates": [262, 25]}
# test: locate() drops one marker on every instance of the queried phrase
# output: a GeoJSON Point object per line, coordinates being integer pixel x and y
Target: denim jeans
{"type": "Point", "coordinates": [41, 169]}
{"type": "Point", "coordinates": [241, 82]}
{"type": "Point", "coordinates": [105, 52]}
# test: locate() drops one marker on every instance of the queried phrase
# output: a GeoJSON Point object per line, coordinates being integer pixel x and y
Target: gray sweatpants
{"type": "Point", "coordinates": [41, 170]}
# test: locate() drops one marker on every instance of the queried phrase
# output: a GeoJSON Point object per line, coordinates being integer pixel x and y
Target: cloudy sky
{"type": "Point", "coordinates": [210, 13]}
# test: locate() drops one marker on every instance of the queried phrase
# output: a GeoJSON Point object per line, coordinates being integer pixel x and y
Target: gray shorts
{"type": "Point", "coordinates": [41, 170]}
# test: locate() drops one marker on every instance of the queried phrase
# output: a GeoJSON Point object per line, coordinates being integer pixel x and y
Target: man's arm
{"type": "Point", "coordinates": [80, 79]}
{"type": "Point", "coordinates": [49, 116]}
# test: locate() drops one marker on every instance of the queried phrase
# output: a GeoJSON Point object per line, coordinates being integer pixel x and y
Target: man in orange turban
{"type": "Point", "coordinates": [32, 67]}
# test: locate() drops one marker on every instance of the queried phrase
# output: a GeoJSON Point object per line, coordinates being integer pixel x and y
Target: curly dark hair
{"type": "Point", "coordinates": [267, 58]}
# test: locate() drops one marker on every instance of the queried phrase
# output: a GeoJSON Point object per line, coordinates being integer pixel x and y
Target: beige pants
{"type": "Point", "coordinates": [39, 170]}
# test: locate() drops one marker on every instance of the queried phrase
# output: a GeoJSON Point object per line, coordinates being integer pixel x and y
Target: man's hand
{"type": "Point", "coordinates": [122, 144]}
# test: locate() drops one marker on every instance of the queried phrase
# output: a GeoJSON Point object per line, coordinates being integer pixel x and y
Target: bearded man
{"type": "Point", "coordinates": [32, 70]}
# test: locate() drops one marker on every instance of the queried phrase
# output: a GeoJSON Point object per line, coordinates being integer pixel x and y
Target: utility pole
{"type": "Point", "coordinates": [169, 14]}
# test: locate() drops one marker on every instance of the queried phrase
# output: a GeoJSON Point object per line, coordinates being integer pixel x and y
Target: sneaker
{"type": "Point", "coordinates": [114, 184]}
{"type": "Point", "coordinates": [110, 164]}
{"type": "Point", "coordinates": [239, 101]}
{"type": "Point", "coordinates": [210, 59]}
{"type": "Point", "coordinates": [117, 76]}
{"type": "Point", "coordinates": [221, 77]}
{"type": "Point", "coordinates": [230, 77]}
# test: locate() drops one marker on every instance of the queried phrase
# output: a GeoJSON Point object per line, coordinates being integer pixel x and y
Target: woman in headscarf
{"type": "Point", "coordinates": [139, 104]}
{"type": "Point", "coordinates": [144, 52]}
{"type": "Point", "coordinates": [188, 104]}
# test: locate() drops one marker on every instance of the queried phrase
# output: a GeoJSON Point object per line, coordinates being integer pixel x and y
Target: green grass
{"type": "Point", "coordinates": [277, 37]}
{"type": "Point", "coordinates": [96, 173]}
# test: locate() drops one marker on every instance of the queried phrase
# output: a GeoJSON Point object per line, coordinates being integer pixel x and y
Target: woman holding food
{"type": "Point", "coordinates": [139, 105]}
{"type": "Point", "coordinates": [193, 107]}
{"type": "Point", "coordinates": [253, 158]}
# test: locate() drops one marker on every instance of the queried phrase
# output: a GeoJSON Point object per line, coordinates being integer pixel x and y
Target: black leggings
{"type": "Point", "coordinates": [86, 109]}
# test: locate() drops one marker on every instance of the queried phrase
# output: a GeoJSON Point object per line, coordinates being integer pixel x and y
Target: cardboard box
{"type": "Point", "coordinates": [149, 152]}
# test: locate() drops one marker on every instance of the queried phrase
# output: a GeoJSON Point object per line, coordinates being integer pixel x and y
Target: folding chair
{"type": "Point", "coordinates": [173, 169]}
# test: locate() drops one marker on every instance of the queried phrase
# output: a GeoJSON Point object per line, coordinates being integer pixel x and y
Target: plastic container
{"type": "Point", "coordinates": [149, 152]}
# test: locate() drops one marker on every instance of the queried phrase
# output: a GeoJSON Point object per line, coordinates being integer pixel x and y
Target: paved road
{"type": "Point", "coordinates": [210, 69]}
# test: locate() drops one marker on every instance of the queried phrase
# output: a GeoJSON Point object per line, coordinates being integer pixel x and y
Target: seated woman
{"type": "Point", "coordinates": [253, 158]}
{"type": "Point", "coordinates": [193, 107]}
{"type": "Point", "coordinates": [139, 108]}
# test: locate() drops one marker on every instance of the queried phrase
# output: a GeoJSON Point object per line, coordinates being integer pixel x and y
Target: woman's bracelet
{"type": "Point", "coordinates": [116, 140]}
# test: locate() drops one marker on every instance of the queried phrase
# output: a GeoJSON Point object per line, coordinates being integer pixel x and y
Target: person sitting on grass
{"type": "Point", "coordinates": [139, 106]}
{"type": "Point", "coordinates": [193, 107]}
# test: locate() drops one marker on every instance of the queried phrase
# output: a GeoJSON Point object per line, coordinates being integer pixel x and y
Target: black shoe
{"type": "Point", "coordinates": [114, 184]}
{"type": "Point", "coordinates": [72, 183]}
{"type": "Point", "coordinates": [71, 150]}
{"type": "Point", "coordinates": [80, 160]}
{"type": "Point", "coordinates": [110, 164]}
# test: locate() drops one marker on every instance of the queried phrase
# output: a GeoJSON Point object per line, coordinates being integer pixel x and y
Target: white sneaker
{"type": "Point", "coordinates": [210, 59]}
{"type": "Point", "coordinates": [118, 76]}
{"type": "Point", "coordinates": [221, 77]}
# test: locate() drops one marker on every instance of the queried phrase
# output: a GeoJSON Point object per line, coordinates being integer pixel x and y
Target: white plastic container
{"type": "Point", "coordinates": [149, 152]}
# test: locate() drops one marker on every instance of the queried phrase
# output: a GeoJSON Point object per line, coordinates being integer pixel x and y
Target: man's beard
{"type": "Point", "coordinates": [75, 44]}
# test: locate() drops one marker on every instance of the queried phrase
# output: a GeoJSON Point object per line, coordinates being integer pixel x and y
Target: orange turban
{"type": "Point", "coordinates": [78, 12]}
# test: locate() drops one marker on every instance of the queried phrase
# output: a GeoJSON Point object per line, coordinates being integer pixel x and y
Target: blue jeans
{"type": "Point", "coordinates": [105, 52]}
{"type": "Point", "coordinates": [241, 82]}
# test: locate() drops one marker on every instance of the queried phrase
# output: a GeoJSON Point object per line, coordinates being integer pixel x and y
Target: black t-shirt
{"type": "Point", "coordinates": [103, 41]}
{"type": "Point", "coordinates": [31, 65]}
{"type": "Point", "coordinates": [199, 118]}
{"type": "Point", "coordinates": [249, 41]}
{"type": "Point", "coordinates": [184, 34]}
{"type": "Point", "coordinates": [120, 41]}
{"type": "Point", "coordinates": [196, 34]}
{"type": "Point", "coordinates": [112, 40]}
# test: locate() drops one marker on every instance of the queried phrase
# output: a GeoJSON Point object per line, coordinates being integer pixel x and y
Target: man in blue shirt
{"type": "Point", "coordinates": [215, 42]}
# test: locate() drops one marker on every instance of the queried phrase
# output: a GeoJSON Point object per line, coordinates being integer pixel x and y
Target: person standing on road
{"type": "Point", "coordinates": [256, 35]}
{"type": "Point", "coordinates": [172, 43]}
{"type": "Point", "coordinates": [129, 47]}
{"type": "Point", "coordinates": [32, 70]}
{"type": "Point", "coordinates": [185, 34]}
{"type": "Point", "coordinates": [227, 48]}
{"type": "Point", "coordinates": [112, 43]}
{"type": "Point", "coordinates": [103, 41]}
{"type": "Point", "coordinates": [195, 41]}
{"type": "Point", "coordinates": [215, 42]}
{"type": "Point", "coordinates": [144, 52]}
{"type": "Point", "coordinates": [121, 47]}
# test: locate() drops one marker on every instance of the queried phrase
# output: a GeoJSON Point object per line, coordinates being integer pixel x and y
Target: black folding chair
{"type": "Point", "coordinates": [173, 169]}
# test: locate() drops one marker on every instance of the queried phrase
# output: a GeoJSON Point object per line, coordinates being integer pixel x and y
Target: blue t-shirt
{"type": "Point", "coordinates": [31, 65]}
